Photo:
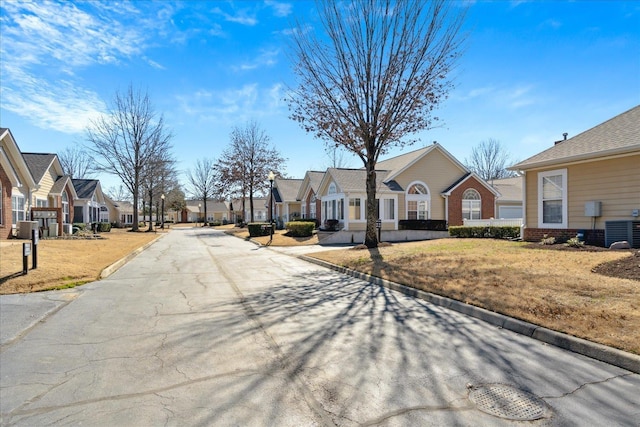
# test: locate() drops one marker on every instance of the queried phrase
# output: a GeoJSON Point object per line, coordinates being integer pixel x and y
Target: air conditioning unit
{"type": "Point", "coordinates": [617, 231]}
{"type": "Point", "coordinates": [25, 227]}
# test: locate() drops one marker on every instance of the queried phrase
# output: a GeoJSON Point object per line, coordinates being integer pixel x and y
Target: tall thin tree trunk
{"type": "Point", "coordinates": [371, 238]}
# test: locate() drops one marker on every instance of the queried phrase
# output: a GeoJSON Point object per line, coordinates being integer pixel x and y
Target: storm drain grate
{"type": "Point", "coordinates": [507, 402]}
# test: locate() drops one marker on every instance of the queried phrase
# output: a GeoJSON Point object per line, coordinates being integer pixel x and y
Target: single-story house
{"type": "Point", "coordinates": [53, 198]}
{"type": "Point", "coordinates": [509, 203]}
{"type": "Point", "coordinates": [285, 199]}
{"type": "Point", "coordinates": [260, 209]}
{"type": "Point", "coordinates": [16, 185]}
{"type": "Point", "coordinates": [586, 184]}
{"type": "Point", "coordinates": [90, 205]}
{"type": "Point", "coordinates": [425, 184]}
{"type": "Point", "coordinates": [310, 205]}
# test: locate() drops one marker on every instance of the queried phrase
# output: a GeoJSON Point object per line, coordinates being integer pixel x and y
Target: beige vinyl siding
{"type": "Point", "coordinates": [46, 183]}
{"type": "Point", "coordinates": [438, 173]}
{"type": "Point", "coordinates": [614, 182]}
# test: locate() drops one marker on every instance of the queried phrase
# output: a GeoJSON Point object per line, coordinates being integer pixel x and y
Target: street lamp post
{"type": "Point", "coordinates": [162, 221]}
{"type": "Point", "coordinates": [199, 214]}
{"type": "Point", "coordinates": [379, 227]}
{"type": "Point", "coordinates": [272, 177]}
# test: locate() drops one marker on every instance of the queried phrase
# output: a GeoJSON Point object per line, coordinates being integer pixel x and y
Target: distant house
{"type": "Point", "coordinates": [584, 182]}
{"type": "Point", "coordinates": [125, 213]}
{"type": "Point", "coordinates": [310, 205]}
{"type": "Point", "coordinates": [90, 205]}
{"type": "Point", "coordinates": [285, 199]}
{"type": "Point", "coordinates": [54, 194]}
{"type": "Point", "coordinates": [509, 203]}
{"type": "Point", "coordinates": [426, 184]}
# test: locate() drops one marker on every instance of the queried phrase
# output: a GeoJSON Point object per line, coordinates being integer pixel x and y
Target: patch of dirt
{"type": "Point", "coordinates": [625, 268]}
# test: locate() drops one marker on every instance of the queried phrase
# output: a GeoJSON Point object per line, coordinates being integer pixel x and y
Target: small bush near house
{"type": "Point", "coordinates": [257, 229]}
{"type": "Point", "coordinates": [215, 223]}
{"type": "Point", "coordinates": [574, 242]}
{"type": "Point", "coordinates": [314, 220]}
{"type": "Point", "coordinates": [422, 224]}
{"type": "Point", "coordinates": [79, 225]}
{"type": "Point", "coordinates": [485, 232]}
{"type": "Point", "coordinates": [300, 228]}
{"type": "Point", "coordinates": [104, 227]}
{"type": "Point", "coordinates": [548, 240]}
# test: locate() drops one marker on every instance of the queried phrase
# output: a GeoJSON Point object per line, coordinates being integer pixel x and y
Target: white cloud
{"type": "Point", "coordinates": [279, 9]}
{"type": "Point", "coordinates": [233, 105]}
{"type": "Point", "coordinates": [49, 42]}
{"type": "Point", "coordinates": [243, 17]}
{"type": "Point", "coordinates": [265, 58]}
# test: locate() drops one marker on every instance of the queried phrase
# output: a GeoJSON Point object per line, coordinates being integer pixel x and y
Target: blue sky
{"type": "Point", "coordinates": [531, 71]}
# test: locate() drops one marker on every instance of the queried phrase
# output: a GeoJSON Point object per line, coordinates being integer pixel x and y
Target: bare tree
{"type": "Point", "coordinates": [375, 76]}
{"type": "Point", "coordinates": [200, 181]}
{"type": "Point", "coordinates": [175, 200]}
{"type": "Point", "coordinates": [489, 159]}
{"type": "Point", "coordinates": [127, 139]}
{"type": "Point", "coordinates": [336, 157]}
{"type": "Point", "coordinates": [118, 193]}
{"type": "Point", "coordinates": [156, 175]}
{"type": "Point", "coordinates": [75, 161]}
{"type": "Point", "coordinates": [244, 166]}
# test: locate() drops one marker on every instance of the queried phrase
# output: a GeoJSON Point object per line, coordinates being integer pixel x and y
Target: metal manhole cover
{"type": "Point", "coordinates": [507, 402]}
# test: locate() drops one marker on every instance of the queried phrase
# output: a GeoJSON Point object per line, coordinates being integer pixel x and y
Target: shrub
{"type": "Point", "coordinates": [422, 224]}
{"type": "Point", "coordinates": [331, 225]}
{"type": "Point", "coordinates": [215, 223]}
{"type": "Point", "coordinates": [574, 242]}
{"type": "Point", "coordinates": [548, 240]}
{"type": "Point", "coordinates": [314, 220]}
{"type": "Point", "coordinates": [79, 225]}
{"type": "Point", "coordinates": [104, 227]}
{"type": "Point", "coordinates": [257, 229]}
{"type": "Point", "coordinates": [300, 228]}
{"type": "Point", "coordinates": [485, 232]}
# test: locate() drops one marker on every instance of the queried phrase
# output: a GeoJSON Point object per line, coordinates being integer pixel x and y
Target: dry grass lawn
{"type": "Point", "coordinates": [279, 238]}
{"type": "Point", "coordinates": [551, 288]}
{"type": "Point", "coordinates": [65, 263]}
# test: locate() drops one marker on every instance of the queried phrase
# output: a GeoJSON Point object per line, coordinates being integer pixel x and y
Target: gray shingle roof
{"type": "Point", "coordinates": [85, 187]}
{"type": "Point", "coordinates": [38, 163]}
{"type": "Point", "coordinates": [396, 164]}
{"type": "Point", "coordinates": [618, 135]}
{"type": "Point", "coordinates": [58, 186]}
{"type": "Point", "coordinates": [354, 180]}
{"type": "Point", "coordinates": [287, 189]}
{"type": "Point", "coordinates": [509, 188]}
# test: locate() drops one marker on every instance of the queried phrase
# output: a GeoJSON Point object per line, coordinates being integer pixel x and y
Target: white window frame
{"type": "Point", "coordinates": [565, 219]}
{"type": "Point", "coordinates": [18, 214]}
{"type": "Point", "coordinates": [65, 207]}
{"type": "Point", "coordinates": [418, 198]}
{"type": "Point", "coordinates": [382, 211]}
{"type": "Point", "coordinates": [42, 203]}
{"type": "Point", "coordinates": [360, 208]}
{"type": "Point", "coordinates": [475, 205]}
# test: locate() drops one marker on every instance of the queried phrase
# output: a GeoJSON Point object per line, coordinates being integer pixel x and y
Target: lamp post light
{"type": "Point", "coordinates": [379, 227]}
{"type": "Point", "coordinates": [199, 214]}
{"type": "Point", "coordinates": [272, 177]}
{"type": "Point", "coordinates": [162, 220]}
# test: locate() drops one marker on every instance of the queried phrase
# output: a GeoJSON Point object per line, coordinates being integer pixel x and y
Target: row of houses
{"type": "Point", "coordinates": [34, 189]}
{"type": "Point", "coordinates": [588, 184]}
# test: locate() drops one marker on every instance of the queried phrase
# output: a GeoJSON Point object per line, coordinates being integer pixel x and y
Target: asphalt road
{"type": "Point", "coordinates": [209, 330]}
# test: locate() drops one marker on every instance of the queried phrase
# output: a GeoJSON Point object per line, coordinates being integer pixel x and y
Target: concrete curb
{"type": "Point", "coordinates": [590, 349]}
{"type": "Point", "coordinates": [108, 271]}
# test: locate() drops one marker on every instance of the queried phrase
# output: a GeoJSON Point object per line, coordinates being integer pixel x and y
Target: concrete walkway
{"type": "Point", "coordinates": [206, 329]}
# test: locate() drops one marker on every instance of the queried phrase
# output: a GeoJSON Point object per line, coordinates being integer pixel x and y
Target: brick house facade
{"type": "Point", "coordinates": [455, 195]}
{"type": "Point", "coordinates": [5, 205]}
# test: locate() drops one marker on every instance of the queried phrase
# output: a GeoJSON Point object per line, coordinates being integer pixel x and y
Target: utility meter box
{"type": "Point", "coordinates": [593, 208]}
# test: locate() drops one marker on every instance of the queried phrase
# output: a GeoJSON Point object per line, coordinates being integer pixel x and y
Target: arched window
{"type": "Point", "coordinates": [471, 204]}
{"type": "Point", "coordinates": [65, 207]}
{"type": "Point", "coordinates": [332, 188]}
{"type": "Point", "coordinates": [418, 199]}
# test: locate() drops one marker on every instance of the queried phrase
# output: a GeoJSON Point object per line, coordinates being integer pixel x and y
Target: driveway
{"type": "Point", "coordinates": [207, 329]}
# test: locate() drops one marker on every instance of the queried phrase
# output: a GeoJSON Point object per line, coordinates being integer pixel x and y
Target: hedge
{"type": "Point", "coordinates": [300, 228]}
{"type": "Point", "coordinates": [422, 224]}
{"type": "Point", "coordinates": [485, 232]}
{"type": "Point", "coordinates": [104, 227]}
{"type": "Point", "coordinates": [314, 220]}
{"type": "Point", "coordinates": [257, 229]}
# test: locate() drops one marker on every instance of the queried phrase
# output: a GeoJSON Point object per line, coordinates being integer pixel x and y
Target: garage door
{"type": "Point", "coordinates": [510, 212]}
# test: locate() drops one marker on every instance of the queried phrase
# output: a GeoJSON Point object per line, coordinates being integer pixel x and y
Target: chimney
{"type": "Point", "coordinates": [565, 138]}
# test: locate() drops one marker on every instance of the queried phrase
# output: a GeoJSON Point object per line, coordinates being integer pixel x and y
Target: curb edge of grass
{"type": "Point", "coordinates": [603, 353]}
{"type": "Point", "coordinates": [109, 270]}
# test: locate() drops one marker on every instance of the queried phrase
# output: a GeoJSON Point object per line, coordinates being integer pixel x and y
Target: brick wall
{"type": "Point", "coordinates": [5, 203]}
{"type": "Point", "coordinates": [591, 237]}
{"type": "Point", "coordinates": [487, 201]}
